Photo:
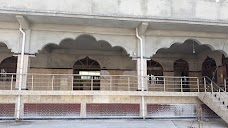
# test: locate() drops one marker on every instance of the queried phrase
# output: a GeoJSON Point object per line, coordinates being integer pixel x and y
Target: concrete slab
{"type": "Point", "coordinates": [121, 123]}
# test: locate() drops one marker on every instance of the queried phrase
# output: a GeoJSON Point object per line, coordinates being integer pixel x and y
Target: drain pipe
{"type": "Point", "coordinates": [141, 71]}
{"type": "Point", "coordinates": [20, 72]}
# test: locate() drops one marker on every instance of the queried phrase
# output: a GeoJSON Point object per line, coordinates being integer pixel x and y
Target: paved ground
{"type": "Point", "coordinates": [122, 123]}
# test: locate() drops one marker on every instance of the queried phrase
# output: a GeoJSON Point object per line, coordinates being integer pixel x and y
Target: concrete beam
{"type": "Point", "coordinates": [89, 52]}
{"type": "Point", "coordinates": [143, 27]}
{"type": "Point", "coordinates": [23, 21]}
{"type": "Point", "coordinates": [99, 93]}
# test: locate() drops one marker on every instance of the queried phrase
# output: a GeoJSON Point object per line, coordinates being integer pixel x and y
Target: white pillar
{"type": "Point", "coordinates": [144, 73]}
{"type": "Point", "coordinates": [83, 110]}
{"type": "Point", "coordinates": [139, 64]}
{"type": "Point", "coordinates": [25, 71]}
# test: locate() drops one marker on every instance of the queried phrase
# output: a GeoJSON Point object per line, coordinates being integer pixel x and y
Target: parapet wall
{"type": "Point", "coordinates": [85, 104]}
{"type": "Point", "coordinates": [195, 10]}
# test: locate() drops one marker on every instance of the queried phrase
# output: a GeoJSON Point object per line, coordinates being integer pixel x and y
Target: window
{"type": "Point", "coordinates": [87, 75]}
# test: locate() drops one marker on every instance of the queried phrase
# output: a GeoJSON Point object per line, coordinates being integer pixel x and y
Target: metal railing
{"type": "Point", "coordinates": [81, 82]}
{"type": "Point", "coordinates": [8, 81]}
{"type": "Point", "coordinates": [175, 84]}
{"type": "Point", "coordinates": [69, 82]}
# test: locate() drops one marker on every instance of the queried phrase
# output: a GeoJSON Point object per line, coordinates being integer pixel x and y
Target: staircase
{"type": "Point", "coordinates": [215, 98]}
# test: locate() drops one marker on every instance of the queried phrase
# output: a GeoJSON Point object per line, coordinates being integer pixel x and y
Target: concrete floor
{"type": "Point", "coordinates": [121, 123]}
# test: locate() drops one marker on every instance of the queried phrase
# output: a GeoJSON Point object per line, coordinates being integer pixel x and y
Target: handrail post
{"type": "Point", "coordinates": [164, 83]}
{"type": "Point", "coordinates": [205, 84]}
{"type": "Point", "coordinates": [212, 90]}
{"type": "Point", "coordinates": [11, 84]}
{"type": "Point", "coordinates": [128, 83]}
{"type": "Point", "coordinates": [72, 87]}
{"type": "Point", "coordinates": [219, 93]}
{"type": "Point", "coordinates": [110, 83]}
{"type": "Point", "coordinates": [91, 83]}
{"type": "Point", "coordinates": [52, 83]}
{"type": "Point", "coordinates": [198, 84]}
{"type": "Point", "coordinates": [181, 86]}
{"type": "Point", "coordinates": [225, 85]}
{"type": "Point", "coordinates": [226, 88]}
{"type": "Point", "coordinates": [32, 83]}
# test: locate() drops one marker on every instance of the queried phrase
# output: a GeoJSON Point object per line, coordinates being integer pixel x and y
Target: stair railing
{"type": "Point", "coordinates": [216, 91]}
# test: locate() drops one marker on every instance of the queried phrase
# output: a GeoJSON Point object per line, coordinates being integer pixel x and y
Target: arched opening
{"type": "Point", "coordinates": [181, 68]}
{"type": "Point", "coordinates": [8, 65]}
{"type": "Point", "coordinates": [209, 69]}
{"type": "Point", "coordinates": [88, 71]}
{"type": "Point", "coordinates": [154, 69]}
{"type": "Point", "coordinates": [194, 52]}
{"type": "Point", "coordinates": [224, 67]}
{"type": "Point", "coordinates": [224, 72]}
{"type": "Point", "coordinates": [60, 58]}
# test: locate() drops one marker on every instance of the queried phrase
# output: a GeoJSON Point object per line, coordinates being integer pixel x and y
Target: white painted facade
{"type": "Point", "coordinates": [59, 33]}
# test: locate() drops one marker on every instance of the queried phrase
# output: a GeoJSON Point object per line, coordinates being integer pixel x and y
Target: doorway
{"type": "Point", "coordinates": [87, 74]}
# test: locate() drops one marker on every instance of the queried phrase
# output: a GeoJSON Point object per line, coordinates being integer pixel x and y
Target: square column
{"type": "Point", "coordinates": [26, 66]}
{"type": "Point", "coordinates": [139, 64]}
{"type": "Point", "coordinates": [144, 73]}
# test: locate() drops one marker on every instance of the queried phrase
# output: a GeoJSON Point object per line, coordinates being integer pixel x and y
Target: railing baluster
{"type": "Point", "coordinates": [225, 88]}
{"type": "Point", "coordinates": [164, 84]}
{"type": "Point", "coordinates": [11, 85]}
{"type": "Point", "coordinates": [91, 83]}
{"type": "Point", "coordinates": [212, 90]}
{"type": "Point", "coordinates": [225, 85]}
{"type": "Point", "coordinates": [110, 83]}
{"type": "Point", "coordinates": [198, 85]}
{"type": "Point", "coordinates": [205, 84]}
{"type": "Point", "coordinates": [181, 86]}
{"type": "Point", "coordinates": [32, 83]}
{"type": "Point", "coordinates": [52, 83]}
{"type": "Point", "coordinates": [219, 93]}
{"type": "Point", "coordinates": [72, 87]}
{"type": "Point", "coordinates": [128, 83]}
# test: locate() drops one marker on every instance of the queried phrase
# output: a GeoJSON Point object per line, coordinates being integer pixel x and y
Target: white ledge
{"type": "Point", "coordinates": [121, 93]}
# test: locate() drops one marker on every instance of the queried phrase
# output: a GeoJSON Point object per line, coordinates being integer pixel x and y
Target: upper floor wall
{"type": "Point", "coordinates": [192, 10]}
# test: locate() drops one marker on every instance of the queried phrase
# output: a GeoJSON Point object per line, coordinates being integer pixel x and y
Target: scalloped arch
{"type": "Point", "coordinates": [7, 45]}
{"type": "Point", "coordinates": [198, 42]}
{"type": "Point", "coordinates": [91, 57]}
{"type": "Point", "coordinates": [88, 58]}
{"type": "Point", "coordinates": [48, 44]}
{"type": "Point", "coordinates": [88, 36]}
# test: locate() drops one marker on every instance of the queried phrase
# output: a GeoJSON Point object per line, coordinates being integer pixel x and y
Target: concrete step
{"type": "Point", "coordinates": [224, 107]}
{"type": "Point", "coordinates": [216, 104]}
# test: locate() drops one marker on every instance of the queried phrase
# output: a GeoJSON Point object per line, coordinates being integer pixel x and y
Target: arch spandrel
{"type": "Point", "coordinates": [40, 39]}
{"type": "Point", "coordinates": [153, 44]}
{"type": "Point", "coordinates": [216, 55]}
{"type": "Point", "coordinates": [11, 39]}
{"type": "Point", "coordinates": [5, 52]}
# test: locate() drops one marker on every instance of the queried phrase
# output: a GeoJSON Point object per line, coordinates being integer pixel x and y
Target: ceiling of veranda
{"type": "Point", "coordinates": [185, 48]}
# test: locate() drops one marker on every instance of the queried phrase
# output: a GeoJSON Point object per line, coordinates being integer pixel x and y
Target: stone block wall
{"type": "Point", "coordinates": [85, 100]}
